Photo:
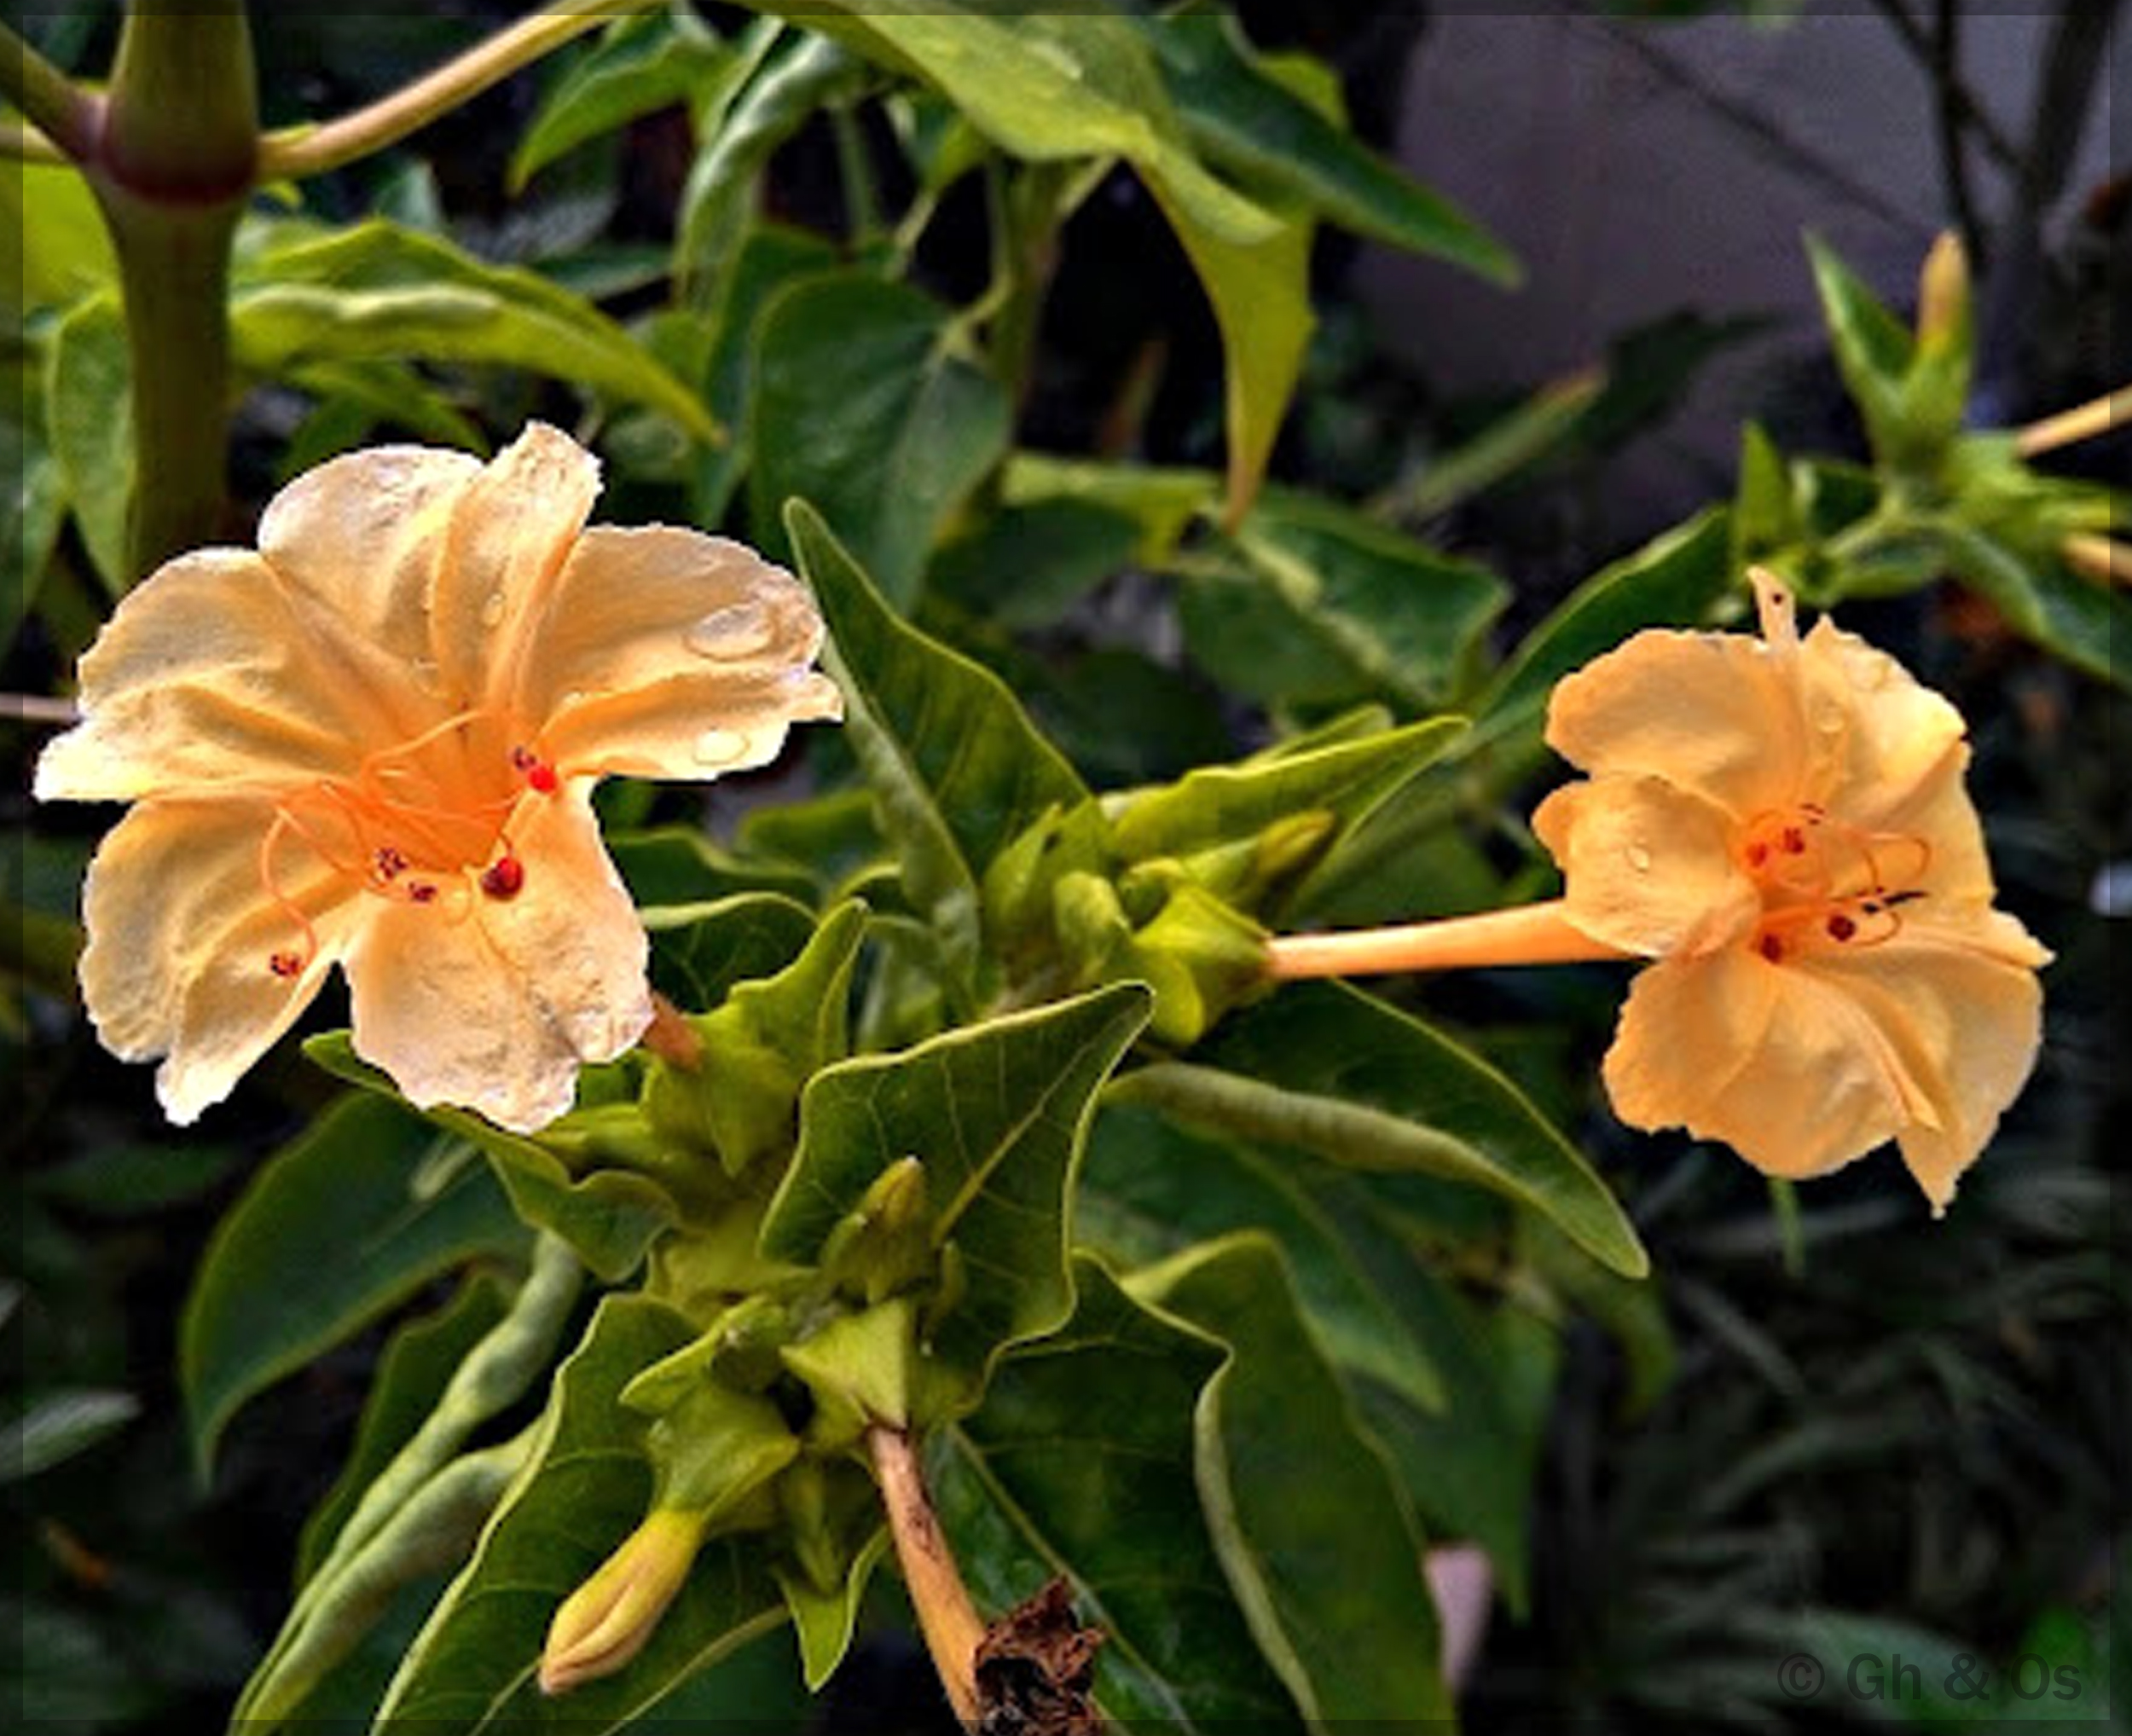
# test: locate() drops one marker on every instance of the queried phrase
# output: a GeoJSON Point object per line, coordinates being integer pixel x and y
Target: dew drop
{"type": "Point", "coordinates": [423, 670]}
{"type": "Point", "coordinates": [1639, 859]}
{"type": "Point", "coordinates": [492, 609]}
{"type": "Point", "coordinates": [720, 747]}
{"type": "Point", "coordinates": [1828, 720]}
{"type": "Point", "coordinates": [725, 636]}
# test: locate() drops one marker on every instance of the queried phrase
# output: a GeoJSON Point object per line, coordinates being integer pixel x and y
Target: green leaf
{"type": "Point", "coordinates": [582, 1492]}
{"type": "Point", "coordinates": [957, 769]}
{"type": "Point", "coordinates": [33, 512]}
{"type": "Point", "coordinates": [699, 950]}
{"type": "Point", "coordinates": [1632, 1311]}
{"type": "Point", "coordinates": [336, 1229]}
{"type": "Point", "coordinates": [1327, 1068]}
{"type": "Point", "coordinates": [1025, 566]}
{"type": "Point", "coordinates": [1327, 607]}
{"type": "Point", "coordinates": [56, 1426]}
{"type": "Point", "coordinates": [761, 1043]}
{"type": "Point", "coordinates": [862, 407]}
{"type": "Point", "coordinates": [134, 1181]}
{"type": "Point", "coordinates": [610, 1215]}
{"type": "Point", "coordinates": [358, 395]}
{"type": "Point", "coordinates": [1150, 1188]}
{"type": "Point", "coordinates": [1048, 87]}
{"type": "Point", "coordinates": [2087, 624]}
{"type": "Point", "coordinates": [997, 1114]}
{"type": "Point", "coordinates": [1874, 351]}
{"type": "Point", "coordinates": [770, 260]}
{"type": "Point", "coordinates": [1096, 1423]}
{"type": "Point", "coordinates": [1470, 1467]}
{"type": "Point", "coordinates": [413, 1372]}
{"type": "Point", "coordinates": [1249, 121]}
{"type": "Point", "coordinates": [1318, 1541]}
{"type": "Point", "coordinates": [778, 97]}
{"type": "Point", "coordinates": [826, 1621]}
{"type": "Point", "coordinates": [63, 249]}
{"type": "Point", "coordinates": [379, 290]}
{"type": "Point", "coordinates": [1219, 804]}
{"type": "Point", "coordinates": [641, 66]}
{"type": "Point", "coordinates": [1161, 502]}
{"type": "Point", "coordinates": [89, 426]}
{"type": "Point", "coordinates": [679, 864]}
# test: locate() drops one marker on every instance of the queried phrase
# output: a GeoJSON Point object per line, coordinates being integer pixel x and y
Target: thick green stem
{"type": "Point", "coordinates": [172, 169]}
{"type": "Point", "coordinates": [174, 263]}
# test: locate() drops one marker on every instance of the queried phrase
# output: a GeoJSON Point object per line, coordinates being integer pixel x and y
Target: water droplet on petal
{"type": "Point", "coordinates": [1639, 859]}
{"type": "Point", "coordinates": [492, 609]}
{"type": "Point", "coordinates": [720, 747]}
{"type": "Point", "coordinates": [739, 630]}
{"type": "Point", "coordinates": [1828, 719]}
{"type": "Point", "coordinates": [424, 671]}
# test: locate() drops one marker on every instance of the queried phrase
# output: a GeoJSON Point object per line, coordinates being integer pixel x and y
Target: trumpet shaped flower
{"type": "Point", "coordinates": [1782, 825]}
{"type": "Point", "coordinates": [374, 742]}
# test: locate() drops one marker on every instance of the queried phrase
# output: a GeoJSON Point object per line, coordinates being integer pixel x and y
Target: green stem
{"type": "Point", "coordinates": [172, 170]}
{"type": "Point", "coordinates": [292, 155]}
{"type": "Point", "coordinates": [60, 110]}
{"type": "Point", "coordinates": [174, 263]}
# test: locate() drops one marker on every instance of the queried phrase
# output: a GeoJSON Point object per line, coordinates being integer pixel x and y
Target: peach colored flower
{"type": "Point", "coordinates": [1782, 824]}
{"type": "Point", "coordinates": [374, 743]}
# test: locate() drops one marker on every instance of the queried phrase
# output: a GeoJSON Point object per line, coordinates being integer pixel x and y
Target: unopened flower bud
{"type": "Point", "coordinates": [608, 1619]}
{"type": "Point", "coordinates": [1942, 293]}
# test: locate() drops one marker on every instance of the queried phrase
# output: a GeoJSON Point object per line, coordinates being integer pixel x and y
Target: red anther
{"type": "Point", "coordinates": [538, 772]}
{"type": "Point", "coordinates": [503, 878]}
{"type": "Point", "coordinates": [285, 965]}
{"type": "Point", "coordinates": [1840, 926]}
{"type": "Point", "coordinates": [1770, 948]}
{"type": "Point", "coordinates": [422, 892]}
{"type": "Point", "coordinates": [391, 862]}
{"type": "Point", "coordinates": [1794, 842]}
{"type": "Point", "coordinates": [1758, 855]}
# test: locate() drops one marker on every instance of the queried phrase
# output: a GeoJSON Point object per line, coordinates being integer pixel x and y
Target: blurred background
{"type": "Point", "coordinates": [1865, 1434]}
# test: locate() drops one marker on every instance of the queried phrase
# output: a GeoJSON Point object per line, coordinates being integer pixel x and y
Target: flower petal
{"type": "Point", "coordinates": [1713, 712]}
{"type": "Point", "coordinates": [659, 649]}
{"type": "Point", "coordinates": [180, 931]}
{"type": "Point", "coordinates": [511, 530]}
{"type": "Point", "coordinates": [209, 673]}
{"type": "Point", "coordinates": [361, 537]}
{"type": "Point", "coordinates": [1648, 866]}
{"type": "Point", "coordinates": [1879, 737]}
{"type": "Point", "coordinates": [495, 1009]}
{"type": "Point", "coordinates": [1955, 996]}
{"type": "Point", "coordinates": [1784, 1067]}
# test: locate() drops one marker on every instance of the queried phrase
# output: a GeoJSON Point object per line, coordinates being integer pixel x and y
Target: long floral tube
{"type": "Point", "coordinates": [1533, 934]}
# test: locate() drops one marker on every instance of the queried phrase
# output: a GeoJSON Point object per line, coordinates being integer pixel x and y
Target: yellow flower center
{"type": "Point", "coordinates": [422, 823]}
{"type": "Point", "coordinates": [1825, 881]}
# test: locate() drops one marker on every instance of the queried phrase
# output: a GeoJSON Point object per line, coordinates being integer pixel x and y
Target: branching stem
{"type": "Point", "coordinates": [300, 152]}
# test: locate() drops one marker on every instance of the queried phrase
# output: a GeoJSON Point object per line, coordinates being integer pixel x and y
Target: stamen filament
{"type": "Point", "coordinates": [1532, 933]}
